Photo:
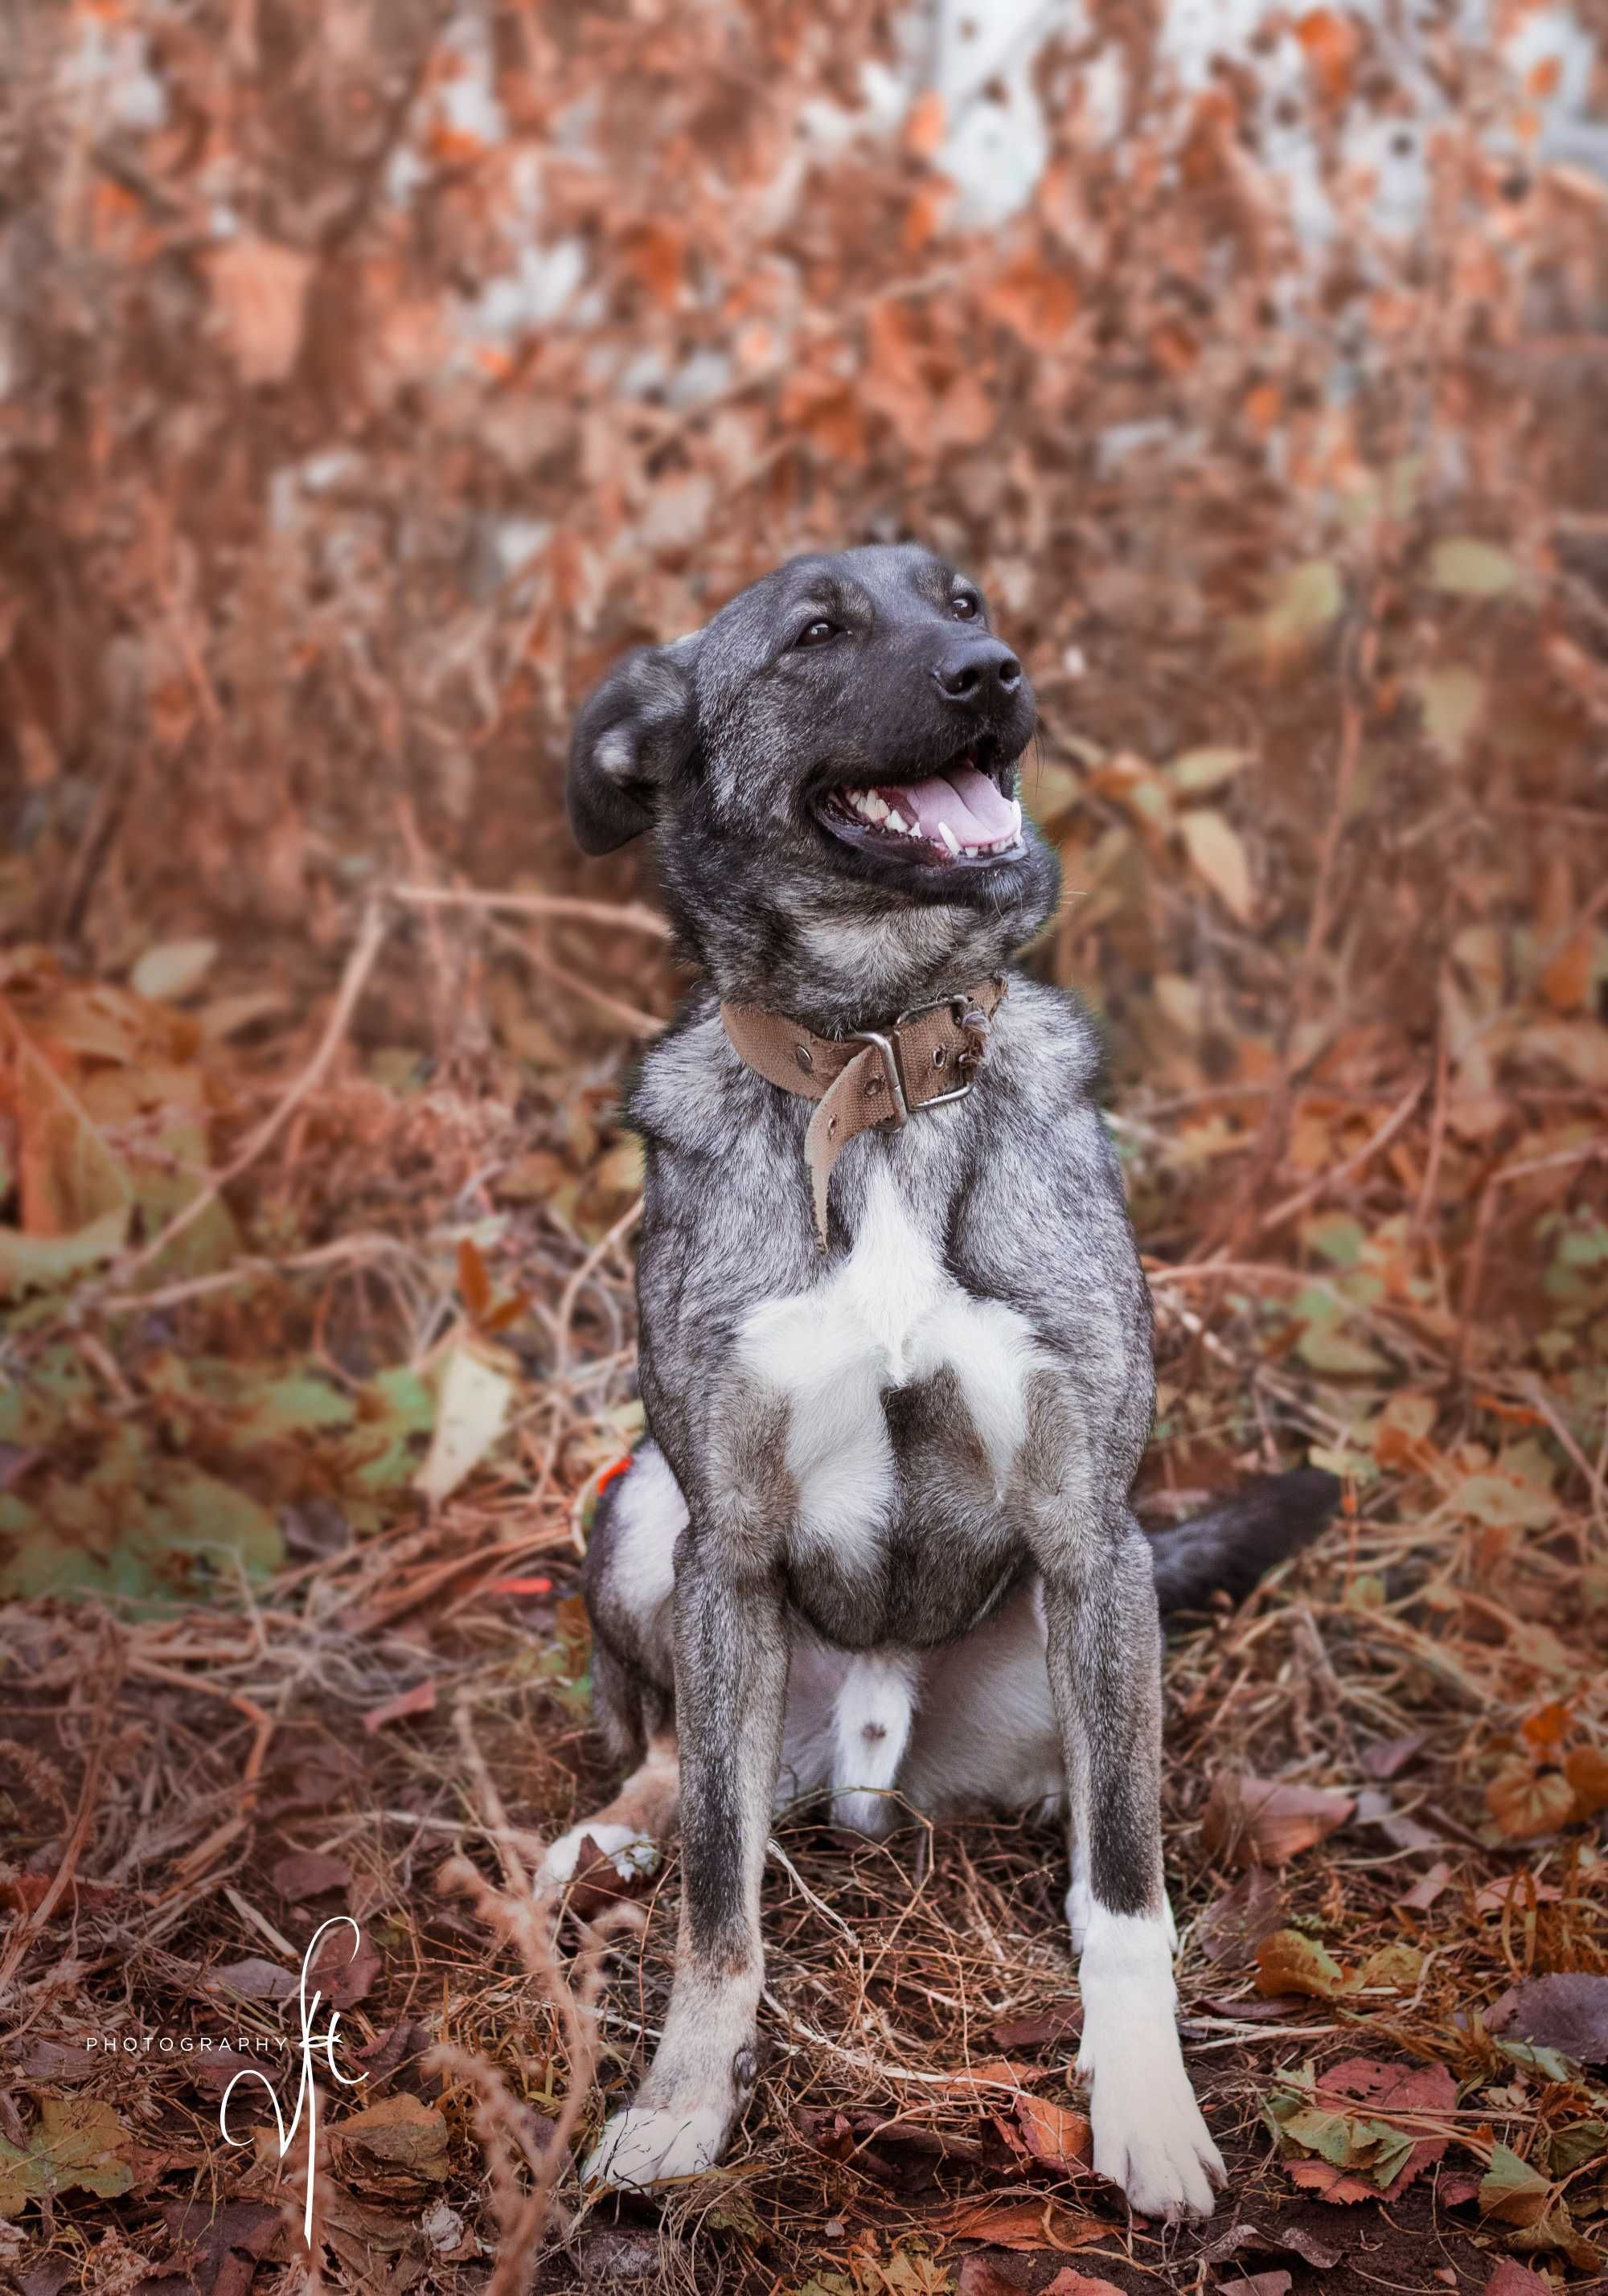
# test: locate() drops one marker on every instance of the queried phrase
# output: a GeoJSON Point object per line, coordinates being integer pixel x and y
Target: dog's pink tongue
{"type": "Point", "coordinates": [970, 804]}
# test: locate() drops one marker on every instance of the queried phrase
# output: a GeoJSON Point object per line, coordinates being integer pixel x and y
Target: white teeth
{"type": "Point", "coordinates": [950, 839]}
{"type": "Point", "coordinates": [896, 820]}
{"type": "Point", "coordinates": [1015, 817]}
{"type": "Point", "coordinates": [877, 806]}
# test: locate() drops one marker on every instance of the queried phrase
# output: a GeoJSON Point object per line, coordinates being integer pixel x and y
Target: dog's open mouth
{"type": "Point", "coordinates": [959, 817]}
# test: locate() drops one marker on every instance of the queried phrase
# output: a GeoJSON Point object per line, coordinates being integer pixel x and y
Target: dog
{"type": "Point", "coordinates": [896, 1351]}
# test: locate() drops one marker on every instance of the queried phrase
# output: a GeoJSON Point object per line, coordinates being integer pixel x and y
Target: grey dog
{"type": "Point", "coordinates": [878, 1545]}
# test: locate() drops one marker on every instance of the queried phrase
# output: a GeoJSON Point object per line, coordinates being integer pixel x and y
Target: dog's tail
{"type": "Point", "coordinates": [1230, 1546]}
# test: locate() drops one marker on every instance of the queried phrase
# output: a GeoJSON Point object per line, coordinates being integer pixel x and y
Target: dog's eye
{"type": "Point", "coordinates": [965, 606]}
{"type": "Point", "coordinates": [816, 634]}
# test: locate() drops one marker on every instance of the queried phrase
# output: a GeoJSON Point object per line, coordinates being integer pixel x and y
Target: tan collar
{"type": "Point", "coordinates": [928, 1056]}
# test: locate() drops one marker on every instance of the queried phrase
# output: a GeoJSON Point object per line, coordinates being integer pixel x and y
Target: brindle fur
{"type": "Point", "coordinates": [718, 744]}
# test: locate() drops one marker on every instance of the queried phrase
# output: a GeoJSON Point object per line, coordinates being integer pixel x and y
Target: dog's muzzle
{"type": "Point", "coordinates": [929, 1056]}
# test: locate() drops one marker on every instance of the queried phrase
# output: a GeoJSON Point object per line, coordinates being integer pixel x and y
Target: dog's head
{"type": "Point", "coordinates": [829, 768]}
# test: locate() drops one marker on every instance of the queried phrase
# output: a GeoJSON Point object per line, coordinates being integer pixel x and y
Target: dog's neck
{"type": "Point", "coordinates": [836, 975]}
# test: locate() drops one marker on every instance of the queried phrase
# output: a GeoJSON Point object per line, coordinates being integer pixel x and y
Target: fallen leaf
{"type": "Point", "coordinates": [1566, 2011]}
{"type": "Point", "coordinates": [1290, 1962]}
{"type": "Point", "coordinates": [173, 969]}
{"type": "Point", "coordinates": [1586, 1767]}
{"type": "Point", "coordinates": [1280, 2239]}
{"type": "Point", "coordinates": [1350, 2120]}
{"type": "Point", "coordinates": [1196, 771]}
{"type": "Point", "coordinates": [1062, 2021]}
{"type": "Point", "coordinates": [1526, 1802]}
{"type": "Point", "coordinates": [473, 1399]}
{"type": "Point", "coordinates": [979, 2275]}
{"type": "Point", "coordinates": [1008, 2220]}
{"type": "Point", "coordinates": [1512, 2191]}
{"type": "Point", "coordinates": [345, 1974]}
{"type": "Point", "coordinates": [420, 1699]}
{"type": "Point", "coordinates": [401, 2132]}
{"type": "Point", "coordinates": [259, 288]}
{"type": "Point", "coordinates": [1217, 852]}
{"type": "Point", "coordinates": [252, 1980]}
{"type": "Point", "coordinates": [1262, 2283]}
{"type": "Point", "coordinates": [1253, 1821]}
{"type": "Point", "coordinates": [1384, 1758]}
{"type": "Point", "coordinates": [40, 1263]}
{"type": "Point", "coordinates": [77, 2144]}
{"type": "Point", "coordinates": [307, 1874]}
{"type": "Point", "coordinates": [232, 2241]}
{"type": "Point", "coordinates": [1517, 1890]}
{"type": "Point", "coordinates": [1509, 2277]}
{"type": "Point", "coordinates": [1056, 2135]}
{"type": "Point", "coordinates": [1068, 2283]}
{"type": "Point", "coordinates": [1423, 1893]}
{"type": "Point", "coordinates": [1469, 568]}
{"type": "Point", "coordinates": [1232, 1927]}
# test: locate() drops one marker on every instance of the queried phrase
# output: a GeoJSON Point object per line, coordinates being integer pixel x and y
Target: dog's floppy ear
{"type": "Point", "coordinates": [633, 734]}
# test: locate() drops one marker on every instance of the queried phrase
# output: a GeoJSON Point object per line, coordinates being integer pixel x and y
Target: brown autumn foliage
{"type": "Point", "coordinates": [369, 377]}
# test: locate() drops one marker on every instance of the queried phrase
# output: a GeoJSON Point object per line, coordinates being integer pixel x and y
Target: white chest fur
{"type": "Point", "coordinates": [889, 1316]}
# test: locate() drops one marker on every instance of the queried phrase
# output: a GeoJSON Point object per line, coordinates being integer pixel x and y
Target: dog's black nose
{"type": "Point", "coordinates": [978, 670]}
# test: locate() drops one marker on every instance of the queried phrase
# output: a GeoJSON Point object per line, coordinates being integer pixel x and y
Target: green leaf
{"type": "Point", "coordinates": [1470, 567]}
{"type": "Point", "coordinates": [1289, 1963]}
{"type": "Point", "coordinates": [173, 969]}
{"type": "Point", "coordinates": [1452, 702]}
{"type": "Point", "coordinates": [1196, 771]}
{"type": "Point", "coordinates": [77, 2142]}
{"type": "Point", "coordinates": [45, 1263]}
{"type": "Point", "coordinates": [1572, 2147]}
{"type": "Point", "coordinates": [1512, 2191]}
{"type": "Point", "coordinates": [1304, 602]}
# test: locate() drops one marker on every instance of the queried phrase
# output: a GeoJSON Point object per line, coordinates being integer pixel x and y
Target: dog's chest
{"type": "Point", "coordinates": [888, 1319]}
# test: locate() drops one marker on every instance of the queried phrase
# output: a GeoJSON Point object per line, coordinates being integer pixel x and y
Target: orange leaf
{"type": "Point", "coordinates": [1007, 2222]}
{"type": "Point", "coordinates": [1036, 300]}
{"type": "Point", "coordinates": [1526, 1802]}
{"type": "Point", "coordinates": [1329, 43]}
{"type": "Point", "coordinates": [1545, 1730]}
{"type": "Point", "coordinates": [1566, 981]}
{"type": "Point", "coordinates": [1253, 1821]}
{"type": "Point", "coordinates": [1056, 2133]}
{"type": "Point", "coordinates": [1586, 1767]}
{"type": "Point", "coordinates": [924, 125]}
{"type": "Point", "coordinates": [473, 1282]}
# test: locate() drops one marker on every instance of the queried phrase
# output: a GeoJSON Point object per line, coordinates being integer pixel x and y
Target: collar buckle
{"type": "Point", "coordinates": [896, 1112]}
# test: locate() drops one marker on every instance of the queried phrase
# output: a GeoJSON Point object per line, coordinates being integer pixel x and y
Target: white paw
{"type": "Point", "coordinates": [629, 1852]}
{"type": "Point", "coordinates": [648, 2145]}
{"type": "Point", "coordinates": [1150, 2138]}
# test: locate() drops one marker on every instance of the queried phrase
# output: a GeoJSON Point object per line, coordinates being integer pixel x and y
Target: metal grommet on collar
{"type": "Point", "coordinates": [940, 1056]}
{"type": "Point", "coordinates": [804, 1058]}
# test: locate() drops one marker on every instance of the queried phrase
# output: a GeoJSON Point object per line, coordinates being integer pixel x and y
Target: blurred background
{"type": "Point", "coordinates": [370, 377]}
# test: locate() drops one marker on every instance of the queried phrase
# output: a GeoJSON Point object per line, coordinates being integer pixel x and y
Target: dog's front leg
{"type": "Point", "coordinates": [1105, 1676]}
{"type": "Point", "coordinates": [731, 1689]}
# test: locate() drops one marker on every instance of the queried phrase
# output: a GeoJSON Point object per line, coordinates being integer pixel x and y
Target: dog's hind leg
{"type": "Point", "coordinates": [628, 1579]}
